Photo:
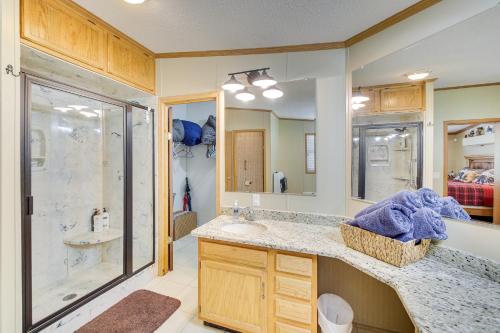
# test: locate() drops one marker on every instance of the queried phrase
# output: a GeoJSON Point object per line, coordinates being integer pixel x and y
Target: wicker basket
{"type": "Point", "coordinates": [184, 222]}
{"type": "Point", "coordinates": [383, 248]}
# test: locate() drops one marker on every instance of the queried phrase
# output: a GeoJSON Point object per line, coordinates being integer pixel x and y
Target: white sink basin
{"type": "Point", "coordinates": [246, 228]}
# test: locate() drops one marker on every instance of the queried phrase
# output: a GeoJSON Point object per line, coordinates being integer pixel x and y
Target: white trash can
{"type": "Point", "coordinates": [335, 315]}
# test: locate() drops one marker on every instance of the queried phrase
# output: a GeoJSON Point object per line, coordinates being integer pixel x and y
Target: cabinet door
{"type": "Point", "coordinates": [402, 98]}
{"type": "Point", "coordinates": [129, 62]}
{"type": "Point", "coordinates": [60, 28]}
{"type": "Point", "coordinates": [233, 296]}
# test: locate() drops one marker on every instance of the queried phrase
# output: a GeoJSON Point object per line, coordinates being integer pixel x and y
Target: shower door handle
{"type": "Point", "coordinates": [29, 205]}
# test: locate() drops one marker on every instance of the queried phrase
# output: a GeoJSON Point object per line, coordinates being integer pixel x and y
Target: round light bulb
{"type": "Point", "coordinates": [358, 106]}
{"type": "Point", "coordinates": [232, 85]}
{"type": "Point", "coordinates": [134, 2]}
{"type": "Point", "coordinates": [245, 95]}
{"type": "Point", "coordinates": [272, 93]}
{"type": "Point", "coordinates": [261, 80]}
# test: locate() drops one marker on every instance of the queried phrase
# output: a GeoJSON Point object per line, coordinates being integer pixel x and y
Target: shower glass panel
{"type": "Point", "coordinates": [76, 145]}
{"type": "Point", "coordinates": [387, 158]}
{"type": "Point", "coordinates": [143, 188]}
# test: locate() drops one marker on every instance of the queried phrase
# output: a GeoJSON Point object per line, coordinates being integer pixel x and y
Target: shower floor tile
{"type": "Point", "coordinates": [54, 297]}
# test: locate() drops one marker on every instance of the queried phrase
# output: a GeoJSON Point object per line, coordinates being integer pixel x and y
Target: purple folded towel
{"type": "Point", "coordinates": [390, 220]}
{"type": "Point", "coordinates": [452, 209]}
{"type": "Point", "coordinates": [430, 199]}
{"type": "Point", "coordinates": [405, 198]}
{"type": "Point", "coordinates": [428, 224]}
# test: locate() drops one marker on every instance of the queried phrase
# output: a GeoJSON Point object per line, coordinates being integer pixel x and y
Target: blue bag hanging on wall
{"type": "Point", "coordinates": [192, 133]}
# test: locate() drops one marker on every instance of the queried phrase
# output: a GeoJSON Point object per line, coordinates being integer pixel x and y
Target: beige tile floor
{"type": "Point", "coordinates": [182, 283]}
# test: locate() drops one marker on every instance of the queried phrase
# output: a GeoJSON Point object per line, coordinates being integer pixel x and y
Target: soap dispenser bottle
{"type": "Point", "coordinates": [105, 219]}
{"type": "Point", "coordinates": [236, 211]}
{"type": "Point", "coordinates": [97, 221]}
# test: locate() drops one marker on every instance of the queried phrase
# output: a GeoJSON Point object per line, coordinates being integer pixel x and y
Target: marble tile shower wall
{"type": "Point", "coordinates": [142, 150]}
{"type": "Point", "coordinates": [66, 189]}
{"type": "Point", "coordinates": [113, 181]}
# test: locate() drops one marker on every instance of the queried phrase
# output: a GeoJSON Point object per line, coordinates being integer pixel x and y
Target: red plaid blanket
{"type": "Point", "coordinates": [470, 194]}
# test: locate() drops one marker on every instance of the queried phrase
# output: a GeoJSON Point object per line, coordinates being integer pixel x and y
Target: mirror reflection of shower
{"type": "Point", "coordinates": [386, 159]}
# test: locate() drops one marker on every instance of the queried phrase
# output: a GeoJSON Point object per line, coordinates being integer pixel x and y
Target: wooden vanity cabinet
{"type": "Point", "coordinates": [252, 289]}
{"type": "Point", "coordinates": [65, 30]}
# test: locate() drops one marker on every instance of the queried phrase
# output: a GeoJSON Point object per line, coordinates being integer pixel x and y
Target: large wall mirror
{"type": "Point", "coordinates": [441, 93]}
{"type": "Point", "coordinates": [270, 143]}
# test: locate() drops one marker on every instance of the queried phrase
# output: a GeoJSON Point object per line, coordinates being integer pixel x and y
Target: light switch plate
{"type": "Point", "coordinates": [256, 200]}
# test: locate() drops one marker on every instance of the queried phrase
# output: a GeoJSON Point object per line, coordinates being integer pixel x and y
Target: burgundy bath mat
{"type": "Point", "coordinates": [143, 311]}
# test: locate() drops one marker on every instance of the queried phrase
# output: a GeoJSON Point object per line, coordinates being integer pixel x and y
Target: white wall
{"type": "Point", "coordinates": [186, 76]}
{"type": "Point", "coordinates": [10, 210]}
{"type": "Point", "coordinates": [200, 170]}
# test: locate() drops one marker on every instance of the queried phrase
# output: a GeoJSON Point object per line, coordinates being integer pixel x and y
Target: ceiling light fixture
{"type": "Point", "coordinates": [232, 84]}
{"type": "Point", "coordinates": [358, 98]}
{"type": "Point", "coordinates": [78, 107]}
{"type": "Point", "coordinates": [420, 75]}
{"type": "Point", "coordinates": [262, 80]}
{"type": "Point", "coordinates": [357, 106]}
{"type": "Point", "coordinates": [88, 114]}
{"type": "Point", "coordinates": [273, 92]}
{"type": "Point", "coordinates": [62, 109]}
{"type": "Point", "coordinates": [135, 2]}
{"type": "Point", "coordinates": [245, 95]}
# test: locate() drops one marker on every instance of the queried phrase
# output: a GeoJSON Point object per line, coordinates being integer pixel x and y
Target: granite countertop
{"type": "Point", "coordinates": [445, 292]}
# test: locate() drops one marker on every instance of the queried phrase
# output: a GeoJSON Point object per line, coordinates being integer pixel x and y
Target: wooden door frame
{"type": "Point", "coordinates": [264, 160]}
{"type": "Point", "coordinates": [165, 225]}
{"type": "Point", "coordinates": [496, 190]}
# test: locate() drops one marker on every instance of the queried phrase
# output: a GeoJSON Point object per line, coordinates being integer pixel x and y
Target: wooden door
{"type": "Point", "coordinates": [402, 98]}
{"type": "Point", "coordinates": [129, 62]}
{"type": "Point", "coordinates": [233, 296]}
{"type": "Point", "coordinates": [249, 160]}
{"type": "Point", "coordinates": [58, 27]}
{"type": "Point", "coordinates": [229, 161]}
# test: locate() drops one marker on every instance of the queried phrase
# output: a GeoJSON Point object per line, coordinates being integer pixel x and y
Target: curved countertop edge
{"type": "Point", "coordinates": [437, 297]}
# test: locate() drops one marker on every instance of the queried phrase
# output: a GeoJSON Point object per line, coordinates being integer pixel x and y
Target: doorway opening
{"type": "Point", "coordinates": [189, 165]}
{"type": "Point", "coordinates": [471, 151]}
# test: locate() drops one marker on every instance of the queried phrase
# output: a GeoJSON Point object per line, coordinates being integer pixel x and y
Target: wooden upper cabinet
{"type": "Point", "coordinates": [130, 62]}
{"type": "Point", "coordinates": [58, 27]}
{"type": "Point", "coordinates": [402, 98]}
{"type": "Point", "coordinates": [65, 30]}
{"type": "Point", "coordinates": [373, 104]}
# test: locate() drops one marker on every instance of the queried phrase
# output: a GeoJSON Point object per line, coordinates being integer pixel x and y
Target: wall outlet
{"type": "Point", "coordinates": [256, 200]}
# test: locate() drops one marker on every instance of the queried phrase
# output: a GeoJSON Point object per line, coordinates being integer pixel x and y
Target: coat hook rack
{"type": "Point", "coordinates": [10, 70]}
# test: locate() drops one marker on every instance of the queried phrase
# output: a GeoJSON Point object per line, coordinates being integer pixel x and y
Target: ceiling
{"type": "Point", "coordinates": [298, 101]}
{"type": "Point", "coordinates": [464, 54]}
{"type": "Point", "coordinates": [198, 25]}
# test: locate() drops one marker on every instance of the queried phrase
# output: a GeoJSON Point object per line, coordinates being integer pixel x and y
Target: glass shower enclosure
{"type": "Point", "coordinates": [386, 158]}
{"type": "Point", "coordinates": [88, 196]}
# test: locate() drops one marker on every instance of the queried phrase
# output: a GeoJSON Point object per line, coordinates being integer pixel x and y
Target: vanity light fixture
{"type": "Point", "coordinates": [88, 114]}
{"type": "Point", "coordinates": [245, 95]}
{"type": "Point", "coordinates": [262, 80]}
{"type": "Point", "coordinates": [358, 98]}
{"type": "Point", "coordinates": [357, 106]}
{"type": "Point", "coordinates": [420, 75]}
{"type": "Point", "coordinates": [78, 107]}
{"type": "Point", "coordinates": [273, 92]}
{"type": "Point", "coordinates": [62, 109]}
{"type": "Point", "coordinates": [232, 84]}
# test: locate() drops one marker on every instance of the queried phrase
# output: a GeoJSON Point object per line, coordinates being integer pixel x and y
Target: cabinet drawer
{"type": "Point", "coordinates": [235, 254]}
{"type": "Point", "coordinates": [295, 265]}
{"type": "Point", "coordinates": [296, 311]}
{"type": "Point", "coordinates": [285, 328]}
{"type": "Point", "coordinates": [293, 287]}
